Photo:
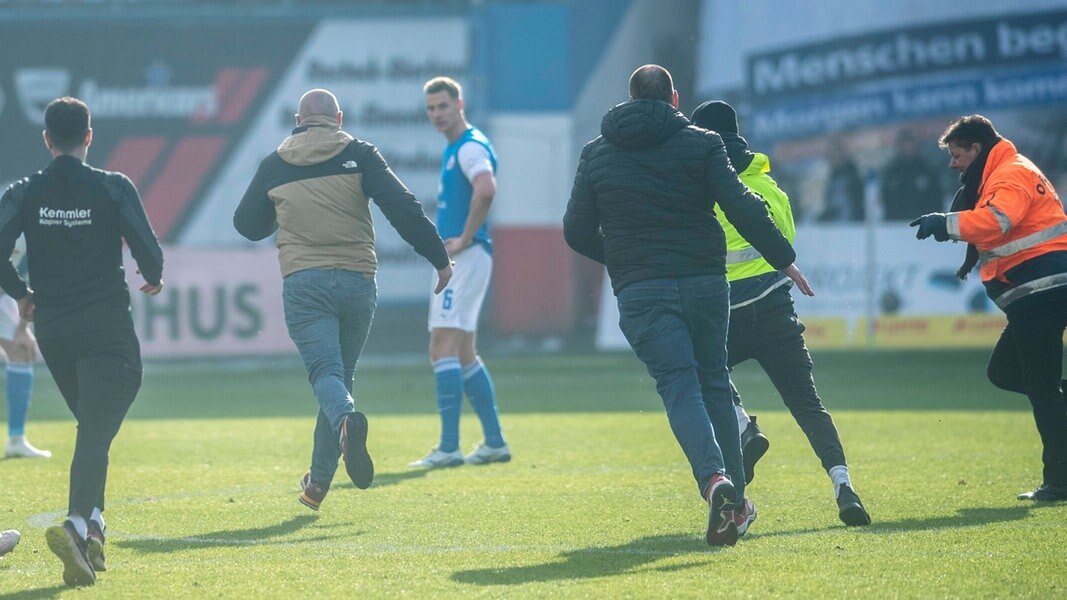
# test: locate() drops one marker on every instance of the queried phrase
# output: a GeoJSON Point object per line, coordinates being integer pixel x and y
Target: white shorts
{"type": "Point", "coordinates": [459, 304]}
{"type": "Point", "coordinates": [9, 317]}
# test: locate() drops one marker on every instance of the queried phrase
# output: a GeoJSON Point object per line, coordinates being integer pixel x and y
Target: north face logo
{"type": "Point", "coordinates": [350, 164]}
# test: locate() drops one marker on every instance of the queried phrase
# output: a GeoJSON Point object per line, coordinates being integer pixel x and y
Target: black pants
{"type": "Point", "coordinates": [769, 331]}
{"type": "Point", "coordinates": [1028, 359]}
{"type": "Point", "coordinates": [98, 374]}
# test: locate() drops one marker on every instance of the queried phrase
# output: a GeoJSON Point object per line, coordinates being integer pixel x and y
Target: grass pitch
{"type": "Point", "coordinates": [598, 501]}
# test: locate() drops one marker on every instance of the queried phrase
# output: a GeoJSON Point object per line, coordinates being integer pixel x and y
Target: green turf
{"type": "Point", "coordinates": [597, 503]}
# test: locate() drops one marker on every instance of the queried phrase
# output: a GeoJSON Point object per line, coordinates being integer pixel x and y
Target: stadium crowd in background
{"type": "Point", "coordinates": [640, 206]}
{"type": "Point", "coordinates": [315, 191]}
{"type": "Point", "coordinates": [764, 325]}
{"type": "Point", "coordinates": [75, 219]}
{"type": "Point", "coordinates": [1016, 232]}
{"type": "Point", "coordinates": [465, 194]}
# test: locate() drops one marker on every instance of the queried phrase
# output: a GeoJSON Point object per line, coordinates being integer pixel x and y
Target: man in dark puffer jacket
{"type": "Point", "coordinates": [640, 206]}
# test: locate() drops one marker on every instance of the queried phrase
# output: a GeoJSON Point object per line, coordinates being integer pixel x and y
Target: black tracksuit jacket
{"type": "Point", "coordinates": [75, 218]}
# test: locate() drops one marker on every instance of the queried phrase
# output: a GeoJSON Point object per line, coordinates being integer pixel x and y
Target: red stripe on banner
{"type": "Point", "coordinates": [532, 258]}
{"type": "Point", "coordinates": [181, 177]}
{"type": "Point", "coordinates": [235, 107]}
{"type": "Point", "coordinates": [226, 82]}
{"type": "Point", "coordinates": [134, 156]}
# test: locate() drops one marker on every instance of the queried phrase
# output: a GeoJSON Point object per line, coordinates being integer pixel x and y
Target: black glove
{"type": "Point", "coordinates": [931, 224]}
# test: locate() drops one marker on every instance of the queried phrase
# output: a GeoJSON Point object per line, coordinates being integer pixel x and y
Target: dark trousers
{"type": "Point", "coordinates": [98, 374]}
{"type": "Point", "coordinates": [769, 331]}
{"type": "Point", "coordinates": [677, 327]}
{"type": "Point", "coordinates": [1028, 359]}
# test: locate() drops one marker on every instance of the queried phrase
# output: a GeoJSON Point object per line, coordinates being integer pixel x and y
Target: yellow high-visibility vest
{"type": "Point", "coordinates": [742, 260]}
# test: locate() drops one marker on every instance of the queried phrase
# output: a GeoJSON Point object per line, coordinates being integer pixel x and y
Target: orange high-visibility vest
{"type": "Point", "coordinates": [1018, 215]}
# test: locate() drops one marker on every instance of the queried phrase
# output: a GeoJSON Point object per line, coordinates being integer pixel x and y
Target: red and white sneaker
{"type": "Point", "coordinates": [722, 500]}
{"type": "Point", "coordinates": [744, 516]}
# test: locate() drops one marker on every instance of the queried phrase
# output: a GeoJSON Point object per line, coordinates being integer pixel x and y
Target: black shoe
{"type": "Point", "coordinates": [849, 508]}
{"type": "Point", "coordinates": [94, 542]}
{"type": "Point", "coordinates": [358, 463]}
{"type": "Point", "coordinates": [1046, 493]}
{"type": "Point", "coordinates": [64, 542]}
{"type": "Point", "coordinates": [753, 446]}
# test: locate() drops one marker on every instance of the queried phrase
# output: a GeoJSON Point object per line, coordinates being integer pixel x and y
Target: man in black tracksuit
{"type": "Point", "coordinates": [75, 219]}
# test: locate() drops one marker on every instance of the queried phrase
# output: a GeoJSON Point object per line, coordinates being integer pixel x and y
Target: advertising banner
{"type": "Point", "coordinates": [214, 303]}
{"type": "Point", "coordinates": [886, 290]}
{"type": "Point", "coordinates": [169, 100]}
{"type": "Point", "coordinates": [188, 108]}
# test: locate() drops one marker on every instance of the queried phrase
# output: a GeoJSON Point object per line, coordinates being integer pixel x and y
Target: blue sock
{"type": "Point", "coordinates": [19, 385]}
{"type": "Point", "coordinates": [479, 387]}
{"type": "Point", "coordinates": [448, 378]}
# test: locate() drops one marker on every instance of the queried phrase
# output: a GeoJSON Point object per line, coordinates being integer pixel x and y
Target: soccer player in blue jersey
{"type": "Point", "coordinates": [466, 191]}
{"type": "Point", "coordinates": [20, 349]}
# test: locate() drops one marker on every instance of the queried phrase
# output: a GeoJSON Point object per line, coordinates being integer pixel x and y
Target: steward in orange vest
{"type": "Point", "coordinates": [1016, 230]}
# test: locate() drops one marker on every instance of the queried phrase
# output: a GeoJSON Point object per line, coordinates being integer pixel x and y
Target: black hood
{"type": "Point", "coordinates": [737, 149]}
{"type": "Point", "coordinates": [641, 123]}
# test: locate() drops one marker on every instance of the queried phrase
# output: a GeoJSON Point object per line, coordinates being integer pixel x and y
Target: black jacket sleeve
{"type": "Point", "coordinates": [10, 230]}
{"type": "Point", "coordinates": [742, 208]}
{"type": "Point", "coordinates": [136, 230]}
{"type": "Point", "coordinates": [401, 208]}
{"type": "Point", "coordinates": [255, 217]}
{"type": "Point", "coordinates": [581, 223]}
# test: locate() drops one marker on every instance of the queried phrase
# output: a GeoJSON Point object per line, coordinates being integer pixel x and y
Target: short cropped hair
{"type": "Point", "coordinates": [444, 84]}
{"type": "Point", "coordinates": [67, 121]}
{"type": "Point", "coordinates": [972, 129]}
{"type": "Point", "coordinates": [652, 82]}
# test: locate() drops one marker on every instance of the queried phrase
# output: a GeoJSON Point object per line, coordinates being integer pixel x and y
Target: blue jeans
{"type": "Point", "coordinates": [678, 329]}
{"type": "Point", "coordinates": [329, 313]}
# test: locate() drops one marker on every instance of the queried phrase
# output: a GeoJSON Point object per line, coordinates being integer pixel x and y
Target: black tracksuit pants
{"type": "Point", "coordinates": [98, 374]}
{"type": "Point", "coordinates": [1028, 359]}
{"type": "Point", "coordinates": [769, 331]}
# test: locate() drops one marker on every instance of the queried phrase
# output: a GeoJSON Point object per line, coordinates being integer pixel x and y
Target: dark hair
{"type": "Point", "coordinates": [443, 84]}
{"type": "Point", "coordinates": [67, 121]}
{"type": "Point", "coordinates": [972, 129]}
{"type": "Point", "coordinates": [652, 82]}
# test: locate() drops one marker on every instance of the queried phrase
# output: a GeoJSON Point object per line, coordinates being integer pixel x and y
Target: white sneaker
{"type": "Point", "coordinates": [483, 455]}
{"type": "Point", "coordinates": [20, 447]}
{"type": "Point", "coordinates": [438, 460]}
{"type": "Point", "coordinates": [8, 540]}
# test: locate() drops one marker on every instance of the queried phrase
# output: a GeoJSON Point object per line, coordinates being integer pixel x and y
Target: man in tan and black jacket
{"type": "Point", "coordinates": [314, 190]}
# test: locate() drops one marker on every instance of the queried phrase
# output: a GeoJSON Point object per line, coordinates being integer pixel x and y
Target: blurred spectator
{"type": "Point", "coordinates": [910, 185]}
{"type": "Point", "coordinates": [844, 187]}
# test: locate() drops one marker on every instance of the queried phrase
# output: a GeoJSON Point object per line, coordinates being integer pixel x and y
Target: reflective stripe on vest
{"type": "Point", "coordinates": [1002, 220]}
{"type": "Point", "coordinates": [1030, 287]}
{"type": "Point", "coordinates": [739, 256]}
{"type": "Point", "coordinates": [1024, 243]}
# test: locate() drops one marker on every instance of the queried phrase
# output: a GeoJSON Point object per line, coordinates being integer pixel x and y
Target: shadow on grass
{"type": "Point", "coordinates": [964, 517]}
{"type": "Point", "coordinates": [589, 563]}
{"type": "Point", "coordinates": [46, 592]}
{"type": "Point", "coordinates": [384, 479]}
{"type": "Point", "coordinates": [257, 536]}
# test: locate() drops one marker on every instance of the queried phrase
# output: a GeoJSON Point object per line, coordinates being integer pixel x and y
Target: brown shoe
{"type": "Point", "coordinates": [313, 494]}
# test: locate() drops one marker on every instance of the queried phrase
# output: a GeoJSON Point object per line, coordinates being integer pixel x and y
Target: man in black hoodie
{"type": "Point", "coordinates": [643, 204]}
